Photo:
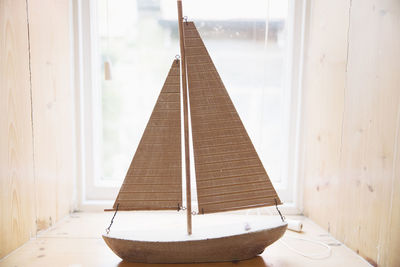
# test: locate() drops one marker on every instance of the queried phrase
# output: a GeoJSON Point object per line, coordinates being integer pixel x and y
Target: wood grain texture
{"type": "Point", "coordinates": [229, 173]}
{"type": "Point", "coordinates": [52, 109]}
{"type": "Point", "coordinates": [229, 248]}
{"type": "Point", "coordinates": [185, 118]}
{"type": "Point", "coordinates": [154, 178]}
{"type": "Point", "coordinates": [30, 200]}
{"type": "Point", "coordinates": [17, 217]}
{"type": "Point", "coordinates": [76, 240]}
{"type": "Point", "coordinates": [351, 125]}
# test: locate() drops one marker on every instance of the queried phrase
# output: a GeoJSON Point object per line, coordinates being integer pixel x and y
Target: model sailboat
{"type": "Point", "coordinates": [228, 172]}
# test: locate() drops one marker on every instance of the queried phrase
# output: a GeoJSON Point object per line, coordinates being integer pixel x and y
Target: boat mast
{"type": "Point", "coordinates": [185, 120]}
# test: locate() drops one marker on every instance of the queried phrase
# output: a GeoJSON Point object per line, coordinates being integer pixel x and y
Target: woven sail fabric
{"type": "Point", "coordinates": [154, 178]}
{"type": "Point", "coordinates": [229, 173]}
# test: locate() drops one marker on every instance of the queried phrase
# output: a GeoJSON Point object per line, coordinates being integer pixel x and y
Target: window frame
{"type": "Point", "coordinates": [94, 194]}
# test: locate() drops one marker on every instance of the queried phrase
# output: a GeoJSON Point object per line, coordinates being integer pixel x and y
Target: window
{"type": "Point", "coordinates": [253, 47]}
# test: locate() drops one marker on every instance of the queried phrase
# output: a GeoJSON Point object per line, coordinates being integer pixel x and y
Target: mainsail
{"type": "Point", "coordinates": [229, 173]}
{"type": "Point", "coordinates": [154, 178]}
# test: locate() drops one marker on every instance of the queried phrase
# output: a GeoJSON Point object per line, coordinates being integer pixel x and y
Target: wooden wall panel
{"type": "Point", "coordinates": [391, 234]}
{"type": "Point", "coordinates": [52, 109]}
{"type": "Point", "coordinates": [36, 155]}
{"type": "Point", "coordinates": [351, 125]}
{"type": "Point", "coordinates": [324, 88]}
{"type": "Point", "coordinates": [16, 163]}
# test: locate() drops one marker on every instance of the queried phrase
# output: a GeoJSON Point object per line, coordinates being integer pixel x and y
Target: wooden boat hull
{"type": "Point", "coordinates": [225, 248]}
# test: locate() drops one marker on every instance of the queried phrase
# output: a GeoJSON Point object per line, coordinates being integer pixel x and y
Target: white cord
{"type": "Point", "coordinates": [315, 256]}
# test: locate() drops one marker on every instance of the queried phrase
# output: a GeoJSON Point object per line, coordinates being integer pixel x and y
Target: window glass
{"type": "Point", "coordinates": [248, 43]}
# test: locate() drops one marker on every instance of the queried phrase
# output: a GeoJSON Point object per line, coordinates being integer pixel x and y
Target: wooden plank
{"type": "Point", "coordinates": [391, 230]}
{"type": "Point", "coordinates": [185, 117]}
{"type": "Point", "coordinates": [369, 127]}
{"type": "Point", "coordinates": [52, 109]}
{"type": "Point", "coordinates": [17, 216]}
{"type": "Point", "coordinates": [351, 117]}
{"type": "Point", "coordinates": [76, 241]}
{"type": "Point", "coordinates": [323, 102]}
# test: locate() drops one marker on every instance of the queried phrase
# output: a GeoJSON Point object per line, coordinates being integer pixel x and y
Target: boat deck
{"type": "Point", "coordinates": [204, 228]}
{"type": "Point", "coordinates": [76, 241]}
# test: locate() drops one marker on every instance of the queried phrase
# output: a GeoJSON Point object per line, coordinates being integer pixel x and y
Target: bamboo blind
{"type": "Point", "coordinates": [154, 178]}
{"type": "Point", "coordinates": [229, 173]}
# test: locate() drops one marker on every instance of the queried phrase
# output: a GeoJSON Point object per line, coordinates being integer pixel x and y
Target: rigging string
{"type": "Point", "coordinates": [112, 220]}
{"type": "Point", "coordinates": [181, 207]}
{"type": "Point", "coordinates": [193, 211]}
{"type": "Point", "coordinates": [107, 61]}
{"type": "Point", "coordinates": [280, 214]}
{"type": "Point", "coordinates": [314, 256]}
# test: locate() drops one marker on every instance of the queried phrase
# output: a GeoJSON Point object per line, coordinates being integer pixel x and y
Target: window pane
{"type": "Point", "coordinates": [140, 39]}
